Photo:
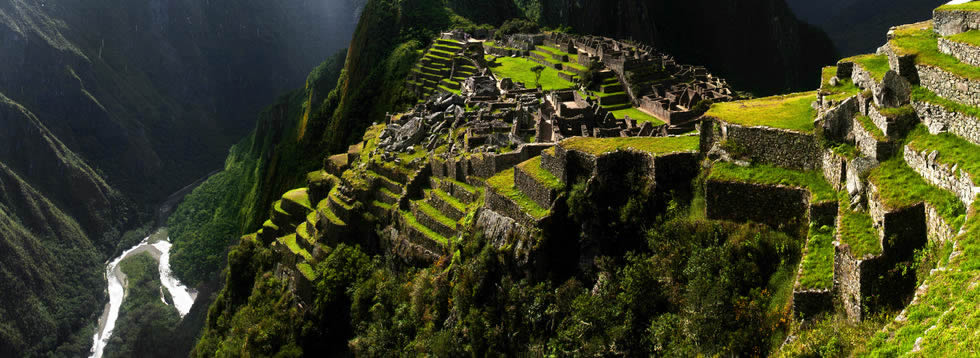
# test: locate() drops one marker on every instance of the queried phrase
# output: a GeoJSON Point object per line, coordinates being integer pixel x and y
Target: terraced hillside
{"type": "Point", "coordinates": [868, 184]}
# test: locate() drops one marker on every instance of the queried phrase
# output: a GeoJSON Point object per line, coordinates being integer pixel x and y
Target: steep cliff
{"type": "Point", "coordinates": [108, 106]}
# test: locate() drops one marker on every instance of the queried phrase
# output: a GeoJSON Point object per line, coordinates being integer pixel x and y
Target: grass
{"type": "Point", "coordinates": [654, 145]}
{"type": "Point", "coordinates": [876, 65]}
{"type": "Point", "coordinates": [382, 205]}
{"type": "Point", "coordinates": [870, 127]}
{"type": "Point", "coordinates": [923, 94]}
{"type": "Point", "coordinates": [533, 168]}
{"type": "Point", "coordinates": [813, 181]}
{"type": "Point", "coordinates": [324, 209]}
{"type": "Point", "coordinates": [449, 199]}
{"type": "Point", "coordinates": [519, 70]}
{"type": "Point", "coordinates": [817, 265]}
{"type": "Point", "coordinates": [306, 270]}
{"type": "Point", "coordinates": [792, 111]}
{"type": "Point", "coordinates": [953, 150]}
{"type": "Point", "coordinates": [920, 40]}
{"type": "Point", "coordinates": [858, 232]}
{"type": "Point", "coordinates": [278, 208]}
{"type": "Point", "coordinates": [971, 37]}
{"type": "Point", "coordinates": [469, 188]}
{"type": "Point", "coordinates": [290, 242]}
{"type": "Point", "coordinates": [434, 236]}
{"type": "Point", "coordinates": [638, 115]}
{"type": "Point", "coordinates": [435, 214]}
{"type": "Point", "coordinates": [299, 196]}
{"type": "Point", "coordinates": [970, 6]}
{"type": "Point", "coordinates": [844, 86]}
{"type": "Point", "coordinates": [900, 187]}
{"type": "Point", "coordinates": [503, 184]}
{"type": "Point", "coordinates": [845, 150]}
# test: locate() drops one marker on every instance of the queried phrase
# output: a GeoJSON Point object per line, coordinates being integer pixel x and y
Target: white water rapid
{"type": "Point", "coordinates": [183, 297]}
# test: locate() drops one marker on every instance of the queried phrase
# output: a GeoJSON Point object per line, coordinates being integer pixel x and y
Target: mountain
{"type": "Point", "coordinates": [108, 106]}
{"type": "Point", "coordinates": [857, 26]}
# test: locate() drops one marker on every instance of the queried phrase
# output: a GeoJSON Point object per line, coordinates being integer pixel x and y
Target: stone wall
{"type": "Point", "coordinates": [824, 213]}
{"type": "Point", "coordinates": [903, 64]}
{"type": "Point", "coordinates": [778, 147]}
{"type": "Point", "coordinates": [892, 127]}
{"type": "Point", "coordinates": [553, 164]}
{"type": "Point", "coordinates": [834, 169]}
{"type": "Point", "coordinates": [538, 192]}
{"type": "Point", "coordinates": [862, 78]}
{"type": "Point", "coordinates": [952, 179]}
{"type": "Point", "coordinates": [868, 145]}
{"type": "Point", "coordinates": [676, 170]}
{"type": "Point", "coordinates": [953, 22]}
{"type": "Point", "coordinates": [941, 120]}
{"type": "Point", "coordinates": [963, 52]}
{"type": "Point", "coordinates": [949, 86]}
{"type": "Point", "coordinates": [937, 229]}
{"type": "Point", "coordinates": [777, 206]}
{"type": "Point", "coordinates": [508, 208]}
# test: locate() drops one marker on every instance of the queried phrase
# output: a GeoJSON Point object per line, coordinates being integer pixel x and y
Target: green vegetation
{"type": "Point", "coordinates": [324, 209]}
{"type": "Point", "coordinates": [924, 95]}
{"type": "Point", "coordinates": [971, 37]}
{"type": "Point", "coordinates": [844, 86]}
{"type": "Point", "coordinates": [969, 6]}
{"type": "Point", "coordinates": [876, 65]}
{"type": "Point", "coordinates": [820, 190]}
{"type": "Point", "coordinates": [412, 221]}
{"type": "Point", "coordinates": [519, 70]}
{"type": "Point", "coordinates": [792, 111]}
{"type": "Point", "coordinates": [533, 168]}
{"type": "Point", "coordinates": [306, 270]}
{"type": "Point", "coordinates": [870, 127]}
{"type": "Point", "coordinates": [435, 214]}
{"type": "Point", "coordinates": [817, 265]}
{"type": "Point", "coordinates": [298, 196]}
{"type": "Point", "coordinates": [922, 41]}
{"type": "Point", "coordinates": [638, 115]}
{"type": "Point", "coordinates": [953, 150]}
{"type": "Point", "coordinates": [145, 324]}
{"type": "Point", "coordinates": [833, 335]}
{"type": "Point", "coordinates": [900, 187]}
{"type": "Point", "coordinates": [655, 145]}
{"type": "Point", "coordinates": [447, 198]}
{"type": "Point", "coordinates": [503, 184]}
{"type": "Point", "coordinates": [858, 232]}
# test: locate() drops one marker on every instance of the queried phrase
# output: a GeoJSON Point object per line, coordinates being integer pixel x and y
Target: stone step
{"type": "Point", "coordinates": [340, 205]}
{"type": "Point", "coordinates": [464, 192]}
{"type": "Point", "coordinates": [304, 237]}
{"type": "Point", "coordinates": [296, 202]}
{"type": "Point", "coordinates": [327, 221]}
{"type": "Point", "coordinates": [895, 123]}
{"type": "Point", "coordinates": [447, 204]}
{"type": "Point", "coordinates": [386, 196]}
{"type": "Point", "coordinates": [612, 88]}
{"type": "Point", "coordinates": [536, 182]}
{"type": "Point", "coordinates": [432, 218]}
{"type": "Point", "coordinates": [613, 99]}
{"type": "Point", "coordinates": [282, 219]}
{"type": "Point", "coordinates": [939, 73]}
{"type": "Point", "coordinates": [269, 232]}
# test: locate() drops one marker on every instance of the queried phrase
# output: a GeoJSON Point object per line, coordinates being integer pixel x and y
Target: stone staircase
{"type": "Point", "coordinates": [442, 68]}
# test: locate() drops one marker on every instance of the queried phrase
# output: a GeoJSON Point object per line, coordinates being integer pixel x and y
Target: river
{"type": "Point", "coordinates": [158, 246]}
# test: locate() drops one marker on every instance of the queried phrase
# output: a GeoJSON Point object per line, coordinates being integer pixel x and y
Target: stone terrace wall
{"type": "Point", "coordinates": [777, 206]}
{"type": "Point", "coordinates": [809, 303]}
{"type": "Point", "coordinates": [488, 165]}
{"type": "Point", "coordinates": [963, 52]}
{"type": "Point", "coordinates": [937, 229]}
{"type": "Point", "coordinates": [676, 170]}
{"type": "Point", "coordinates": [953, 22]}
{"type": "Point", "coordinates": [939, 119]}
{"type": "Point", "coordinates": [949, 86]}
{"type": "Point", "coordinates": [779, 147]}
{"type": "Point", "coordinates": [868, 145]}
{"type": "Point", "coordinates": [538, 192]}
{"type": "Point", "coordinates": [951, 179]}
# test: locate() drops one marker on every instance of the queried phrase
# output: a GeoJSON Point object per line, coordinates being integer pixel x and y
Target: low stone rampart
{"type": "Point", "coordinates": [949, 86]}
{"type": "Point", "coordinates": [941, 120]}
{"type": "Point", "coordinates": [778, 147]}
{"type": "Point", "coordinates": [949, 178]}
{"type": "Point", "coordinates": [966, 53]}
{"type": "Point", "coordinates": [774, 205]}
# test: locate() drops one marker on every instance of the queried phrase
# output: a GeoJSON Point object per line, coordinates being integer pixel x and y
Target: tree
{"type": "Point", "coordinates": [537, 74]}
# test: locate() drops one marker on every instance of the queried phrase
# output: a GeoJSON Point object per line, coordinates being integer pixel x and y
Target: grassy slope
{"type": "Point", "coordinates": [921, 40]}
{"type": "Point", "coordinates": [971, 37]}
{"type": "Point", "coordinates": [790, 111]}
{"type": "Point", "coordinates": [765, 174]}
{"type": "Point", "coordinates": [817, 264]}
